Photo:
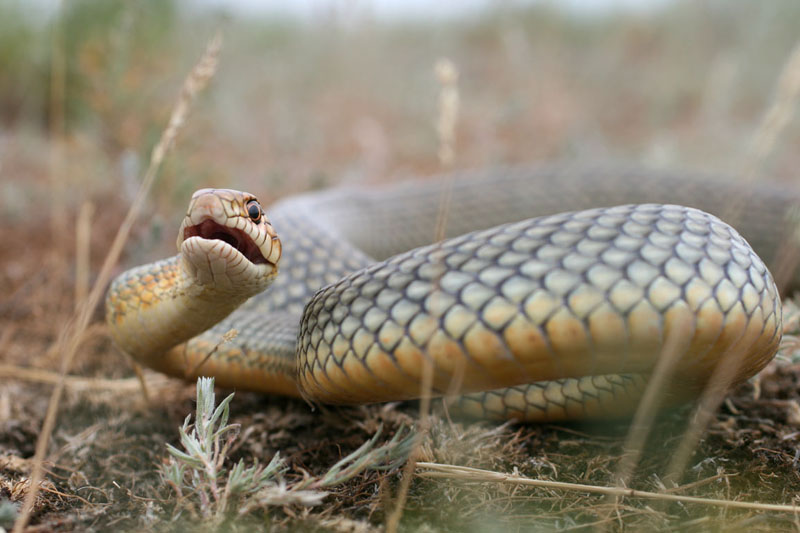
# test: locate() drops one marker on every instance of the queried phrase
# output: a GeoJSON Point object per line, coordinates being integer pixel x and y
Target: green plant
{"type": "Point", "coordinates": [204, 486]}
{"type": "Point", "coordinates": [8, 513]}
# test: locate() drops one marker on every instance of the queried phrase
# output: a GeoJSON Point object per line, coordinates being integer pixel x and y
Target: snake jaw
{"type": "Point", "coordinates": [223, 246]}
{"type": "Point", "coordinates": [234, 237]}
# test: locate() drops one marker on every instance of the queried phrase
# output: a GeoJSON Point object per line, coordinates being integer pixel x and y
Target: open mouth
{"type": "Point", "coordinates": [208, 229]}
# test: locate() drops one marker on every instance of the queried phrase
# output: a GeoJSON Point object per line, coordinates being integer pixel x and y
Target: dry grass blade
{"type": "Point", "coordinates": [487, 476]}
{"type": "Point", "coordinates": [194, 371]}
{"type": "Point", "coordinates": [449, 99]}
{"type": "Point", "coordinates": [57, 112]}
{"type": "Point", "coordinates": [82, 250]}
{"type": "Point", "coordinates": [393, 520]}
{"type": "Point", "coordinates": [779, 114]}
{"type": "Point", "coordinates": [710, 400]}
{"type": "Point", "coordinates": [651, 401]}
{"type": "Point", "coordinates": [70, 337]}
{"type": "Point", "coordinates": [773, 123]}
{"type": "Point", "coordinates": [447, 75]}
{"type": "Point", "coordinates": [77, 383]}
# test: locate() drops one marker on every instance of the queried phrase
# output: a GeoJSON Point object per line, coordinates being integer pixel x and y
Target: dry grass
{"type": "Point", "coordinates": [293, 109]}
{"type": "Point", "coordinates": [477, 475]}
{"type": "Point", "coordinates": [70, 337]}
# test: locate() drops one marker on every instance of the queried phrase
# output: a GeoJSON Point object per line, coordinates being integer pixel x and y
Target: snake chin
{"type": "Point", "coordinates": [233, 237]}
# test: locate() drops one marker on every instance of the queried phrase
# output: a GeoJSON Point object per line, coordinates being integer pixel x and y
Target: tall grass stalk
{"type": "Point", "coordinates": [69, 339]}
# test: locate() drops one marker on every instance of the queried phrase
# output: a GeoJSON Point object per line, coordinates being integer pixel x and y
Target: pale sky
{"type": "Point", "coordinates": [381, 9]}
{"type": "Point", "coordinates": [393, 9]}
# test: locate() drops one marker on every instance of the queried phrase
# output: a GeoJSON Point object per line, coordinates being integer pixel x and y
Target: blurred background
{"type": "Point", "coordinates": [313, 93]}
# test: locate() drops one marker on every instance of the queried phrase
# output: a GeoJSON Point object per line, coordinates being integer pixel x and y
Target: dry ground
{"type": "Point", "coordinates": [345, 98]}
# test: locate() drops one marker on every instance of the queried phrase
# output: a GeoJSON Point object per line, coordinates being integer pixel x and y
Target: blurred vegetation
{"type": "Point", "coordinates": [568, 82]}
{"type": "Point", "coordinates": [22, 70]}
{"type": "Point", "coordinates": [115, 51]}
{"type": "Point", "coordinates": [345, 96]}
{"type": "Point", "coordinates": [110, 48]}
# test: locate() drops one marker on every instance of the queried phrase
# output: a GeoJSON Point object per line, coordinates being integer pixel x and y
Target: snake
{"type": "Point", "coordinates": [535, 293]}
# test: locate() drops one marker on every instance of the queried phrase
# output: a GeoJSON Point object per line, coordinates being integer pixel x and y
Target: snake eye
{"type": "Point", "coordinates": [254, 211]}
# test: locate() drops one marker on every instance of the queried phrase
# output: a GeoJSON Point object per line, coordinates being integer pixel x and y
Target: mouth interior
{"type": "Point", "coordinates": [208, 229]}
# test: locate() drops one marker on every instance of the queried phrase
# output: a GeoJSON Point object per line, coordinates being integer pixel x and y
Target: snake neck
{"type": "Point", "coordinates": [153, 308]}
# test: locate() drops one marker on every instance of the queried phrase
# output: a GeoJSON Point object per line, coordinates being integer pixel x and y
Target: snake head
{"type": "Point", "coordinates": [227, 241]}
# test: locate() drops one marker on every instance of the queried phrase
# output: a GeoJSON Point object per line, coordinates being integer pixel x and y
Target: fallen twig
{"type": "Point", "coordinates": [465, 473]}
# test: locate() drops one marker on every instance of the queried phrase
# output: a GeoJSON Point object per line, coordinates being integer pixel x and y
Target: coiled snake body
{"type": "Point", "coordinates": [560, 316]}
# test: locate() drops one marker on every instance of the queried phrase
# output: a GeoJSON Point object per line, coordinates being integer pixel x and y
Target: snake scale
{"type": "Point", "coordinates": [559, 316]}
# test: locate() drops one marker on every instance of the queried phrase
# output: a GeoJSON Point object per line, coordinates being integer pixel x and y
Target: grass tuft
{"type": "Point", "coordinates": [206, 489]}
